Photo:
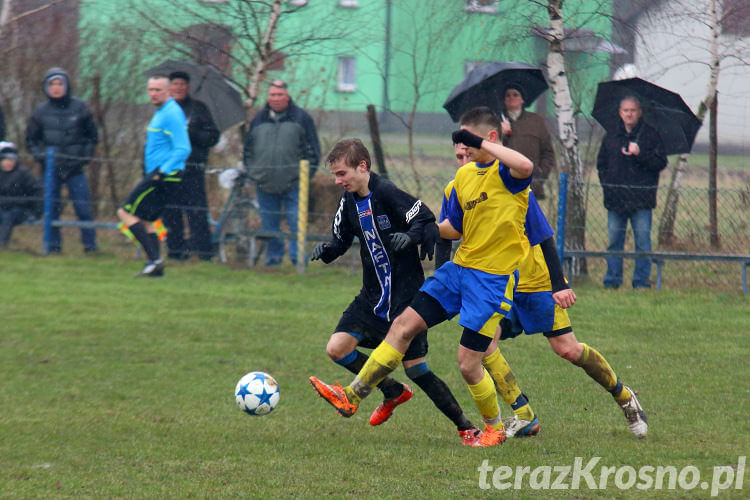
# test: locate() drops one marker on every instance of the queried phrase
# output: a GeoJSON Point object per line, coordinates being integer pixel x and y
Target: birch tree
{"type": "Point", "coordinates": [564, 112]}
{"type": "Point", "coordinates": [719, 50]}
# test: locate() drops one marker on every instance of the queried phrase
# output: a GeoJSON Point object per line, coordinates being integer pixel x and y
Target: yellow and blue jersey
{"type": "Point", "coordinates": [533, 275]}
{"type": "Point", "coordinates": [492, 235]}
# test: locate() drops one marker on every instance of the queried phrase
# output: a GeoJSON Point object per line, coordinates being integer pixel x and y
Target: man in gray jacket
{"type": "Point", "coordinates": [280, 135]}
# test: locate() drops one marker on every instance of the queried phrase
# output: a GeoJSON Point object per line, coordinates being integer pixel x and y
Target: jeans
{"type": "Point", "coordinates": [271, 211]}
{"type": "Point", "coordinates": [617, 223]}
{"type": "Point", "coordinates": [9, 218]}
{"type": "Point", "coordinates": [78, 191]}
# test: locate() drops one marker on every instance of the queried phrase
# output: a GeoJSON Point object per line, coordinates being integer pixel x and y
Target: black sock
{"type": "Point", "coordinates": [354, 362]}
{"type": "Point", "coordinates": [144, 238]}
{"type": "Point", "coordinates": [440, 394]}
{"type": "Point", "coordinates": [155, 242]}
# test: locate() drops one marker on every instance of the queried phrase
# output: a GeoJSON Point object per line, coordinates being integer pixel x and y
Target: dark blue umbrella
{"type": "Point", "coordinates": [485, 86]}
{"type": "Point", "coordinates": [662, 109]}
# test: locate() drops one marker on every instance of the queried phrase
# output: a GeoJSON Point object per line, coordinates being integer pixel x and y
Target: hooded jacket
{"type": "Point", "coordinates": [629, 182]}
{"type": "Point", "coordinates": [275, 144]}
{"type": "Point", "coordinates": [65, 123]}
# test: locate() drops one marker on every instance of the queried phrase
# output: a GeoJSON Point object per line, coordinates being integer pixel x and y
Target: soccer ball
{"type": "Point", "coordinates": [257, 393]}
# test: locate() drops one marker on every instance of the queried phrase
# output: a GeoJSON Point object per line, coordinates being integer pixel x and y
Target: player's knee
{"type": "Point", "coordinates": [335, 350]}
{"type": "Point", "coordinates": [568, 350]}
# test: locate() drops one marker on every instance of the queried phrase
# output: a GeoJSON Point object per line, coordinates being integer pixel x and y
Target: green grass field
{"type": "Point", "coordinates": [114, 387]}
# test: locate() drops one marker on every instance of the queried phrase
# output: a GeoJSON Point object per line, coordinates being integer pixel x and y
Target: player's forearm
{"type": "Point", "coordinates": [520, 166]}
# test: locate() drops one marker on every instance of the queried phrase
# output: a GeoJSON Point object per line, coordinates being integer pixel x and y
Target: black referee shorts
{"type": "Point", "coordinates": [148, 199]}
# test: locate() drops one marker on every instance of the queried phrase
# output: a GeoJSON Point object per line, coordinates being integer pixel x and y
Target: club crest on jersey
{"type": "Point", "coordinates": [365, 213]}
{"type": "Point", "coordinates": [383, 222]}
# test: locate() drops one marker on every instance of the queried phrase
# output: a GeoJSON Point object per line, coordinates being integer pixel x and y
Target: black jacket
{"type": "Point", "coordinates": [65, 123]}
{"type": "Point", "coordinates": [397, 276]}
{"type": "Point", "coordinates": [202, 131]}
{"type": "Point", "coordinates": [629, 182]}
{"type": "Point", "coordinates": [20, 189]}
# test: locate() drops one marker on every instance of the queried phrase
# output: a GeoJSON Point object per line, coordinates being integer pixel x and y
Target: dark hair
{"type": "Point", "coordinates": [280, 84]}
{"type": "Point", "coordinates": [479, 116]}
{"type": "Point", "coordinates": [352, 151]}
{"type": "Point", "coordinates": [174, 75]}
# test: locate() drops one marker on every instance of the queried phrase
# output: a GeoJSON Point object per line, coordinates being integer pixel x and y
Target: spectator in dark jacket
{"type": "Point", "coordinates": [629, 163]}
{"type": "Point", "coordinates": [20, 192]}
{"type": "Point", "coordinates": [66, 123]}
{"type": "Point", "coordinates": [280, 135]}
{"type": "Point", "coordinates": [191, 198]}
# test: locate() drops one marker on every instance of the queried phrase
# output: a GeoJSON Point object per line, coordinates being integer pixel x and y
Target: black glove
{"type": "Point", "coordinates": [319, 250]}
{"type": "Point", "coordinates": [430, 235]}
{"type": "Point", "coordinates": [399, 241]}
{"type": "Point", "coordinates": [466, 138]}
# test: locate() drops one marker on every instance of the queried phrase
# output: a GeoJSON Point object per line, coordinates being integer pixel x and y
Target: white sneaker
{"type": "Point", "coordinates": [519, 427]}
{"type": "Point", "coordinates": [635, 415]}
{"type": "Point", "coordinates": [152, 269]}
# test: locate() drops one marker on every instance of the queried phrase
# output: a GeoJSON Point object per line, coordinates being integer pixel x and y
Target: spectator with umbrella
{"type": "Point", "coordinates": [644, 124]}
{"type": "Point", "coordinates": [507, 88]}
{"type": "Point", "coordinates": [629, 162]}
{"type": "Point", "coordinates": [527, 133]}
{"type": "Point", "coordinates": [191, 197]}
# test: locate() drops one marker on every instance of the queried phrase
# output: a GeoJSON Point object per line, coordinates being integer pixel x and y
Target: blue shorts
{"type": "Point", "coordinates": [482, 299]}
{"type": "Point", "coordinates": [535, 312]}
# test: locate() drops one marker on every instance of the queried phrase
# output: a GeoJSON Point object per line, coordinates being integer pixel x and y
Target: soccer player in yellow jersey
{"type": "Point", "coordinates": [487, 207]}
{"type": "Point", "coordinates": [539, 304]}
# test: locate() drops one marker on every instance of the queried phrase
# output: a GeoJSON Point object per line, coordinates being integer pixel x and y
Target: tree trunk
{"type": "Point", "coordinates": [575, 236]}
{"type": "Point", "coordinates": [669, 215]}
{"type": "Point", "coordinates": [265, 50]}
{"type": "Point", "coordinates": [712, 153]}
{"type": "Point", "coordinates": [377, 144]}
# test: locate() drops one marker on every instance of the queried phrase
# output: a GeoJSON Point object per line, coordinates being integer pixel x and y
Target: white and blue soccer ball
{"type": "Point", "coordinates": [257, 393]}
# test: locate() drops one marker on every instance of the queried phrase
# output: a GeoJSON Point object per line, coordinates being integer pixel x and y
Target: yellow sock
{"type": "Point", "coordinates": [383, 360]}
{"type": "Point", "coordinates": [485, 398]}
{"type": "Point", "coordinates": [597, 368]}
{"type": "Point", "coordinates": [506, 385]}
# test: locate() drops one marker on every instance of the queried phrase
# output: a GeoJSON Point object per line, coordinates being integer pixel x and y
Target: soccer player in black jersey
{"type": "Point", "coordinates": [389, 224]}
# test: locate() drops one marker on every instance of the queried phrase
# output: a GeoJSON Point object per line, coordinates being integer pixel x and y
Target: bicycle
{"type": "Point", "coordinates": [231, 236]}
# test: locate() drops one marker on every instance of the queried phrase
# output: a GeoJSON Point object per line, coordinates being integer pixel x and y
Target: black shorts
{"type": "Point", "coordinates": [359, 321]}
{"type": "Point", "coordinates": [148, 199]}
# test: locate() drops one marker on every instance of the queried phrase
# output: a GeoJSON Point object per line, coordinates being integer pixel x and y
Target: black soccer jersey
{"type": "Point", "coordinates": [389, 279]}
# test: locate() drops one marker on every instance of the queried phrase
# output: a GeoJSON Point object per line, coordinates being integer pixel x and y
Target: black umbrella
{"type": "Point", "coordinates": [662, 109]}
{"type": "Point", "coordinates": [485, 86]}
{"type": "Point", "coordinates": [209, 85]}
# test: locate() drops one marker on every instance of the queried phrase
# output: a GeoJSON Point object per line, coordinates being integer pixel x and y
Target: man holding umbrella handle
{"type": "Point", "coordinates": [629, 162]}
{"type": "Point", "coordinates": [526, 132]}
{"type": "Point", "coordinates": [191, 196]}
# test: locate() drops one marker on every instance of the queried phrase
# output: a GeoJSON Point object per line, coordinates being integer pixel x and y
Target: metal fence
{"type": "Point", "coordinates": [691, 233]}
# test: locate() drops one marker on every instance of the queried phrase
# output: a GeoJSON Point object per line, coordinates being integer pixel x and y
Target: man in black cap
{"type": "Point", "coordinates": [527, 133]}
{"type": "Point", "coordinates": [191, 198]}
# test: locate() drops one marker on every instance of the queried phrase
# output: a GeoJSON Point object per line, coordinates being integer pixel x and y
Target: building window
{"type": "Point", "coordinates": [489, 6]}
{"type": "Point", "coordinates": [348, 3]}
{"type": "Point", "coordinates": [297, 3]}
{"type": "Point", "coordinates": [347, 81]}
